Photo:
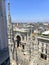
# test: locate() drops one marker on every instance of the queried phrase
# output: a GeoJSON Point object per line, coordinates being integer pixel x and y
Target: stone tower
{"type": "Point", "coordinates": [9, 23]}
{"type": "Point", "coordinates": [36, 54]}
{"type": "Point", "coordinates": [9, 32]}
{"type": "Point", "coordinates": [9, 16]}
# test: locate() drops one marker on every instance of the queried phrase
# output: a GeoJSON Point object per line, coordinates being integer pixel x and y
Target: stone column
{"type": "Point", "coordinates": [48, 52]}
{"type": "Point", "coordinates": [44, 48]}
{"type": "Point", "coordinates": [36, 58]}
{"type": "Point", "coordinates": [25, 38]}
{"type": "Point", "coordinates": [10, 50]}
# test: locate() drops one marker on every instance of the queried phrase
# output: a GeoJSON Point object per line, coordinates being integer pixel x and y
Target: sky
{"type": "Point", "coordinates": [29, 10]}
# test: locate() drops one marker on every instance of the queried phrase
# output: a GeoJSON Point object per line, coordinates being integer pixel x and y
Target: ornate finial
{"type": "Point", "coordinates": [8, 7]}
{"type": "Point", "coordinates": [9, 16]}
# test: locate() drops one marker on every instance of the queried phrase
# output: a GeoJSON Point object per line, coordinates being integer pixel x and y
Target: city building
{"type": "Point", "coordinates": [43, 50]}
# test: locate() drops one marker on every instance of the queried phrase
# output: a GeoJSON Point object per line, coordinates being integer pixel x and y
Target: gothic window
{"type": "Point", "coordinates": [46, 49]}
{"type": "Point", "coordinates": [43, 56]}
{"type": "Point", "coordinates": [42, 49]}
{"type": "Point", "coordinates": [23, 46]}
{"type": "Point", "coordinates": [18, 40]}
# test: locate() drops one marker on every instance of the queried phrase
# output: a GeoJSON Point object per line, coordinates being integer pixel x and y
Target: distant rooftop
{"type": "Point", "coordinates": [45, 32]}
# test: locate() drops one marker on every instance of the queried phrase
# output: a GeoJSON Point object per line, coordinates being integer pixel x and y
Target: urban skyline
{"type": "Point", "coordinates": [22, 43]}
{"type": "Point", "coordinates": [29, 10]}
